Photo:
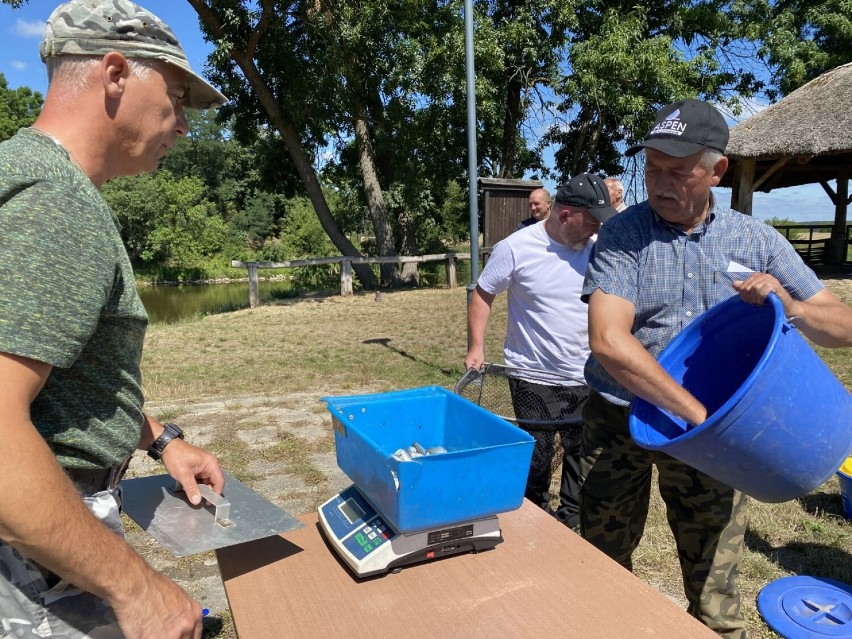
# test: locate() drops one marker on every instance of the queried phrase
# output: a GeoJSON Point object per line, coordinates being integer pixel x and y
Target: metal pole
{"type": "Point", "coordinates": [472, 171]}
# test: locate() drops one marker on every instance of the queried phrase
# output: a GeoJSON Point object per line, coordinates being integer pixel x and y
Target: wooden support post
{"type": "Point", "coordinates": [836, 249]}
{"type": "Point", "coordinates": [743, 187]}
{"type": "Point", "coordinates": [451, 270]}
{"type": "Point", "coordinates": [346, 276]}
{"type": "Point", "coordinates": [254, 288]}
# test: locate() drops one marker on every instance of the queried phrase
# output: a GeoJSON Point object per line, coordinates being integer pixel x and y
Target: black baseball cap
{"type": "Point", "coordinates": [685, 128]}
{"type": "Point", "coordinates": [589, 192]}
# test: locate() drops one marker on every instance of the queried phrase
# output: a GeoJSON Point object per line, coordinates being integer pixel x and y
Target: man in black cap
{"type": "Point", "coordinates": [657, 267]}
{"type": "Point", "coordinates": [541, 267]}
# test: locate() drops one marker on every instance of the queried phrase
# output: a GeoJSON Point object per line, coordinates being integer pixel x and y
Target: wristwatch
{"type": "Point", "coordinates": [170, 431]}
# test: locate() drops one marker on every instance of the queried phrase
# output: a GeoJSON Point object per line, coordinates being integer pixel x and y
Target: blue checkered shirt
{"type": "Point", "coordinates": [671, 276]}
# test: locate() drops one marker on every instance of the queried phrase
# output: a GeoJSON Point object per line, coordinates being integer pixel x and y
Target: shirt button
{"type": "Point", "coordinates": [689, 313]}
{"type": "Point", "coordinates": [689, 275]}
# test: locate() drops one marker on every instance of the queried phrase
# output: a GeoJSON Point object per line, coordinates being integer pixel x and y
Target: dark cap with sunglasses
{"type": "Point", "coordinates": [589, 192]}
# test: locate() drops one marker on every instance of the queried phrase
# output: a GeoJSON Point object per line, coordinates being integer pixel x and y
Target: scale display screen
{"type": "Point", "coordinates": [351, 510]}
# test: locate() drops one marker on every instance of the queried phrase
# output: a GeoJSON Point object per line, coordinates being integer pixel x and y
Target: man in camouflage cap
{"type": "Point", "coordinates": [90, 27]}
{"type": "Point", "coordinates": [71, 333]}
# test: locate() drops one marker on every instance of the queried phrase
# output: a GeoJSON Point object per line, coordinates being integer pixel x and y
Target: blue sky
{"type": "Point", "coordinates": [20, 34]}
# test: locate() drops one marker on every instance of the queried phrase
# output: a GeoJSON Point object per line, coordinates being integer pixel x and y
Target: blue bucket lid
{"type": "Point", "coordinates": [803, 607]}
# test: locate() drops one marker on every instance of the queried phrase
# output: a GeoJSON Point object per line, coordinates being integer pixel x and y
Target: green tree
{"type": "Point", "coordinates": [627, 60]}
{"type": "Point", "coordinates": [362, 79]}
{"type": "Point", "coordinates": [519, 46]}
{"type": "Point", "coordinates": [18, 108]}
{"type": "Point", "coordinates": [166, 220]}
{"type": "Point", "coordinates": [262, 63]}
{"type": "Point", "coordinates": [301, 236]}
{"type": "Point", "coordinates": [256, 218]}
{"type": "Point", "coordinates": [370, 96]}
{"type": "Point", "coordinates": [802, 39]}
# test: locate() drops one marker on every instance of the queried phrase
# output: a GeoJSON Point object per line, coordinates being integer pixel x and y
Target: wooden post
{"type": "Point", "coordinates": [743, 189]}
{"type": "Point", "coordinates": [451, 270]}
{"type": "Point", "coordinates": [346, 276]}
{"type": "Point", "coordinates": [254, 289]}
{"type": "Point", "coordinates": [836, 248]}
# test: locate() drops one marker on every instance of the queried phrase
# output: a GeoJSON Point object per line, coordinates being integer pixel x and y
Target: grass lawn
{"type": "Point", "coordinates": [333, 345]}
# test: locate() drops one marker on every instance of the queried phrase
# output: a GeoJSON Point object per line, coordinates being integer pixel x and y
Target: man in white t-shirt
{"type": "Point", "coordinates": [541, 268]}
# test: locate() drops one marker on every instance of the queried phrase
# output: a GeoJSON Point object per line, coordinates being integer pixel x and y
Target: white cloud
{"type": "Point", "coordinates": [29, 28]}
{"type": "Point", "coordinates": [750, 107]}
{"type": "Point", "coordinates": [18, 65]}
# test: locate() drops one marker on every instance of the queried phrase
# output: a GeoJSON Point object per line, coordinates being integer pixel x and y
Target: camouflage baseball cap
{"type": "Point", "coordinates": [96, 27]}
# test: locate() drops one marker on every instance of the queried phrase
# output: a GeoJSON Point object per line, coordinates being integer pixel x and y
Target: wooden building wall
{"type": "Point", "coordinates": [506, 202]}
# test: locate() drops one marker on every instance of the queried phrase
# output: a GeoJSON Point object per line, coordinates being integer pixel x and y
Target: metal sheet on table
{"type": "Point", "coordinates": [184, 529]}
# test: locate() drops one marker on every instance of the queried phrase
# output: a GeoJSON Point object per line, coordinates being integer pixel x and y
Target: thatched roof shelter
{"type": "Point", "coordinates": [805, 138]}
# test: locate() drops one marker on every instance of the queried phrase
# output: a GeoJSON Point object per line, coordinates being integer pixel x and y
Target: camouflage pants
{"type": "Point", "coordinates": [707, 518]}
{"type": "Point", "coordinates": [553, 404]}
{"type": "Point", "coordinates": [36, 604]}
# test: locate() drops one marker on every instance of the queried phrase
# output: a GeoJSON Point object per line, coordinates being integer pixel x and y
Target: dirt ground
{"type": "Point", "coordinates": [840, 285]}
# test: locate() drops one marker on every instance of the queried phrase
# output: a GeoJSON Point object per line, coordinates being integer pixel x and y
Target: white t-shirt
{"type": "Point", "coordinates": [547, 323]}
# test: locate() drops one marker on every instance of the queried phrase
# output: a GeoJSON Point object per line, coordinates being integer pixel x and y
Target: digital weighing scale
{"type": "Point", "coordinates": [430, 471]}
{"type": "Point", "coordinates": [370, 546]}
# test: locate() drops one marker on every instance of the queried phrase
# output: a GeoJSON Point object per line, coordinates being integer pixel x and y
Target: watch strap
{"type": "Point", "coordinates": [170, 432]}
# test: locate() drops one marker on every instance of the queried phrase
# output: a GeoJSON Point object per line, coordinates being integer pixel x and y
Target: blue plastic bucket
{"type": "Point", "coordinates": [844, 476]}
{"type": "Point", "coordinates": [780, 422]}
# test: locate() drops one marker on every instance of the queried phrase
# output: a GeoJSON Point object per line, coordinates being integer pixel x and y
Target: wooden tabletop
{"type": "Point", "coordinates": [543, 580]}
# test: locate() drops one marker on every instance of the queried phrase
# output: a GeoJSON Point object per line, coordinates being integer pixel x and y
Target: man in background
{"type": "Point", "coordinates": [539, 208]}
{"type": "Point", "coordinates": [72, 328]}
{"type": "Point", "coordinates": [616, 193]}
{"type": "Point", "coordinates": [541, 268]}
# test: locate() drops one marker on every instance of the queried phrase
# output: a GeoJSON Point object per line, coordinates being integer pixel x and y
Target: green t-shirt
{"type": "Point", "coordinates": [68, 298]}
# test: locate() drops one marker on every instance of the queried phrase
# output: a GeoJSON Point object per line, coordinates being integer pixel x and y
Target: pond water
{"type": "Point", "coordinates": [166, 303]}
{"type": "Point", "coordinates": [172, 303]}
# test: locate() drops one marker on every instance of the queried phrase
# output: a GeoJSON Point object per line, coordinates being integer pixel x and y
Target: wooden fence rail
{"type": "Point", "coordinates": [811, 248]}
{"type": "Point", "coordinates": [346, 268]}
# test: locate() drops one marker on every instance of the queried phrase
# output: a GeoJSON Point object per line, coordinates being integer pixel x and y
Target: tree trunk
{"type": "Point", "coordinates": [407, 246]}
{"type": "Point", "coordinates": [289, 134]}
{"type": "Point", "coordinates": [582, 135]}
{"type": "Point", "coordinates": [375, 197]}
{"type": "Point", "coordinates": [510, 127]}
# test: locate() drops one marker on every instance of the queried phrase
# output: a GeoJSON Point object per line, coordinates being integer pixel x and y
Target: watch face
{"type": "Point", "coordinates": [176, 430]}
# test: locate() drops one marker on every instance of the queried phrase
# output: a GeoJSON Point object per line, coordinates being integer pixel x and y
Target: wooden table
{"type": "Point", "coordinates": [542, 581]}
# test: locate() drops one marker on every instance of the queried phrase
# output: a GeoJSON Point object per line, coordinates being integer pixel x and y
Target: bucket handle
{"type": "Point", "coordinates": [789, 322]}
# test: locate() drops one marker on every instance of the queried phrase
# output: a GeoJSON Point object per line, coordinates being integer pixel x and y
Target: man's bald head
{"type": "Point", "coordinates": [540, 204]}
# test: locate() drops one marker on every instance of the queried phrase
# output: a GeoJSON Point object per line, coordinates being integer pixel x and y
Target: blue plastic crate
{"type": "Point", "coordinates": [483, 471]}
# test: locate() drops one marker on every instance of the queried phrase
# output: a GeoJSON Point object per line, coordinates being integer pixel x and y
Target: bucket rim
{"type": "Point", "coordinates": [337, 404]}
{"type": "Point", "coordinates": [641, 427]}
